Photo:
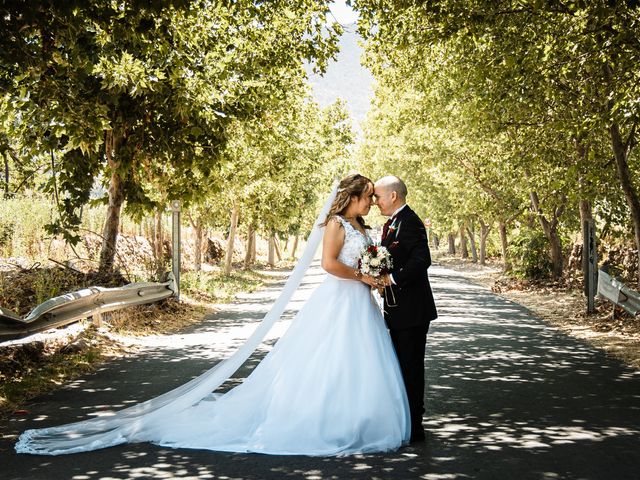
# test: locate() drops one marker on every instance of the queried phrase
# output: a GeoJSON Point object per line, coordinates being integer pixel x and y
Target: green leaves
{"type": "Point", "coordinates": [166, 81]}
{"type": "Point", "coordinates": [523, 82]}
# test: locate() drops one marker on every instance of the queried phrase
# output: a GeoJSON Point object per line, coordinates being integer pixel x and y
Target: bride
{"type": "Point", "coordinates": [330, 386]}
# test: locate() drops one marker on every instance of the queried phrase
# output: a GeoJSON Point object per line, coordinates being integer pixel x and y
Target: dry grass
{"type": "Point", "coordinates": [562, 306]}
{"type": "Point", "coordinates": [32, 369]}
{"type": "Point", "coordinates": [22, 289]}
{"type": "Point", "coordinates": [165, 317]}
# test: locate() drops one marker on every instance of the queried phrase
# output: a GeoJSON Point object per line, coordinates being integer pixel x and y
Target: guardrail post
{"type": "Point", "coordinates": [96, 318]}
{"type": "Point", "coordinates": [590, 263]}
{"type": "Point", "coordinates": [175, 240]}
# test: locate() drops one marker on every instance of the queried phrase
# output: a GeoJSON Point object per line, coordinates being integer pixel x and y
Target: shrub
{"type": "Point", "coordinates": [6, 235]}
{"type": "Point", "coordinates": [529, 253]}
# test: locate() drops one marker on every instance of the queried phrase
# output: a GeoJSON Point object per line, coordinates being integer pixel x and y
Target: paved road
{"type": "Point", "coordinates": [508, 398]}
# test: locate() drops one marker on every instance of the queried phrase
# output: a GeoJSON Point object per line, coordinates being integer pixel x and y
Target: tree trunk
{"type": "Point", "coordinates": [251, 238]}
{"type": "Point", "coordinates": [6, 175]}
{"type": "Point", "coordinates": [286, 245]}
{"type": "Point", "coordinates": [585, 205]}
{"type": "Point", "coordinates": [111, 224]}
{"type": "Point", "coordinates": [272, 249]}
{"type": "Point", "coordinates": [198, 244]}
{"type": "Point", "coordinates": [550, 229]}
{"type": "Point", "coordinates": [452, 244]}
{"type": "Point", "coordinates": [116, 199]}
{"type": "Point", "coordinates": [556, 254]}
{"type": "Point", "coordinates": [621, 151]}
{"type": "Point", "coordinates": [472, 240]}
{"type": "Point", "coordinates": [464, 252]}
{"type": "Point", "coordinates": [159, 243]}
{"type": "Point", "coordinates": [159, 237]}
{"type": "Point", "coordinates": [276, 244]}
{"type": "Point", "coordinates": [585, 216]}
{"type": "Point", "coordinates": [235, 213]}
{"type": "Point", "coordinates": [506, 264]}
{"type": "Point", "coordinates": [148, 232]}
{"type": "Point", "coordinates": [295, 247]}
{"type": "Point", "coordinates": [484, 234]}
{"type": "Point", "coordinates": [254, 247]}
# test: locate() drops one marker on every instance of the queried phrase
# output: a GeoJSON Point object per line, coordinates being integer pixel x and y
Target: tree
{"type": "Point", "coordinates": [558, 78]}
{"type": "Point", "coordinates": [122, 91]}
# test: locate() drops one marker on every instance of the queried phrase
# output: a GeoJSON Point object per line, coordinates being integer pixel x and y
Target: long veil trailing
{"type": "Point", "coordinates": [123, 425]}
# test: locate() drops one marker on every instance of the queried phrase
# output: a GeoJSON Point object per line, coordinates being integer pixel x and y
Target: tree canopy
{"type": "Point", "coordinates": [509, 104]}
{"type": "Point", "coordinates": [143, 98]}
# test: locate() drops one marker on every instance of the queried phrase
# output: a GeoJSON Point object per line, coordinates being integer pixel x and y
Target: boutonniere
{"type": "Point", "coordinates": [392, 227]}
{"type": "Point", "coordinates": [395, 227]}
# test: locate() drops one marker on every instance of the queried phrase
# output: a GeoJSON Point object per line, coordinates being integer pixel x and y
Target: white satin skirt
{"type": "Point", "coordinates": [330, 386]}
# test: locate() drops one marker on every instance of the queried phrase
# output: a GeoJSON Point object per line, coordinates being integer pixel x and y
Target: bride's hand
{"type": "Point", "coordinates": [369, 280]}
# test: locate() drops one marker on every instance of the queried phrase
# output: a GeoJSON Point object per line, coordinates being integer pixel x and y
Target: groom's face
{"type": "Point", "coordinates": [384, 200]}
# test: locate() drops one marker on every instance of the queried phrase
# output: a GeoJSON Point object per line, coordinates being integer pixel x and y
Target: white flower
{"type": "Point", "coordinates": [375, 260]}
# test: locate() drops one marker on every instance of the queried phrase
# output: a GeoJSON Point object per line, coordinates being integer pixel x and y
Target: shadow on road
{"type": "Point", "coordinates": [508, 398]}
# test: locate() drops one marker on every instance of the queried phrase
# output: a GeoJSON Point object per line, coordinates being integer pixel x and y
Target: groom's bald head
{"type": "Point", "coordinates": [391, 183]}
{"type": "Point", "coordinates": [390, 193]}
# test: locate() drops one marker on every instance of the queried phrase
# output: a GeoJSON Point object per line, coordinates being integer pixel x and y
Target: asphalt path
{"type": "Point", "coordinates": [508, 397]}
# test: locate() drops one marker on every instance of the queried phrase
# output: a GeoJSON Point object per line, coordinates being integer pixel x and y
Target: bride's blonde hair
{"type": "Point", "coordinates": [354, 185]}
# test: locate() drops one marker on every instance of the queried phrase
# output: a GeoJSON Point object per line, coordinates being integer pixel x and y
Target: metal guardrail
{"type": "Point", "coordinates": [88, 302]}
{"type": "Point", "coordinates": [618, 293]}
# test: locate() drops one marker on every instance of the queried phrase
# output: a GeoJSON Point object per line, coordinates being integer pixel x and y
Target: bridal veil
{"type": "Point", "coordinates": [122, 425]}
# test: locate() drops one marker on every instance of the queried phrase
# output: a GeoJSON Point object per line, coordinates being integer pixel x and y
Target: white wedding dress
{"type": "Point", "coordinates": [330, 386]}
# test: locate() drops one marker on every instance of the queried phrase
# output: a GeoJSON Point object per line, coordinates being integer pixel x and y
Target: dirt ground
{"type": "Point", "coordinates": [563, 307]}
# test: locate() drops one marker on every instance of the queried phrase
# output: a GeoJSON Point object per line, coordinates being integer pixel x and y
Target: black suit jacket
{"type": "Point", "coordinates": [407, 243]}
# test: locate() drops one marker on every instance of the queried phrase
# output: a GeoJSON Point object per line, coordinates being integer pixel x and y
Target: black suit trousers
{"type": "Point", "coordinates": [410, 344]}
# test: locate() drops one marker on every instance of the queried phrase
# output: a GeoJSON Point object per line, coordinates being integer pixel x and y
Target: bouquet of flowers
{"type": "Point", "coordinates": [375, 260]}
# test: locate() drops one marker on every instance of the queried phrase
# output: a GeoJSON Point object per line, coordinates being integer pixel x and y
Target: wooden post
{"type": "Point", "coordinates": [590, 263]}
{"type": "Point", "coordinates": [97, 319]}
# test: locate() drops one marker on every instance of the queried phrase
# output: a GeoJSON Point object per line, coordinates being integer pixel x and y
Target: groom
{"type": "Point", "coordinates": [408, 304]}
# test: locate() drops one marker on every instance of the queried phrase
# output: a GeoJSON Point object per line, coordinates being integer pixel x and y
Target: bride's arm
{"type": "Point", "coordinates": [331, 245]}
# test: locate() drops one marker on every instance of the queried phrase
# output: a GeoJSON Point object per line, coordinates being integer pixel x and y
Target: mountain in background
{"type": "Point", "coordinates": [346, 78]}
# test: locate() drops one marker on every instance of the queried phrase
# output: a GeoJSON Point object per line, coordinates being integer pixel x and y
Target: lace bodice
{"type": "Point", "coordinates": [354, 243]}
